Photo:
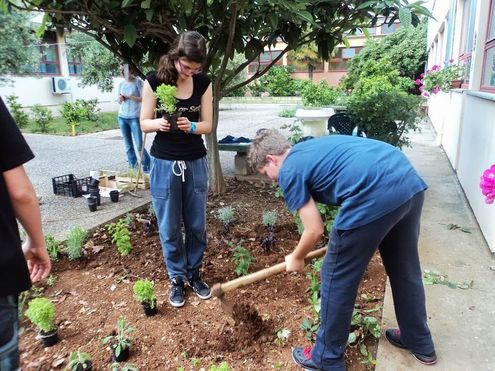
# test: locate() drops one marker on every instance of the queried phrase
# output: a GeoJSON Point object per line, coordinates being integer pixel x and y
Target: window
{"type": "Point", "coordinates": [49, 60]}
{"type": "Point", "coordinates": [74, 62]}
{"type": "Point", "coordinates": [265, 58]}
{"type": "Point", "coordinates": [359, 31]}
{"type": "Point", "coordinates": [488, 81]}
{"type": "Point", "coordinates": [388, 29]}
{"type": "Point", "coordinates": [341, 57]}
{"type": "Point", "coordinates": [467, 36]}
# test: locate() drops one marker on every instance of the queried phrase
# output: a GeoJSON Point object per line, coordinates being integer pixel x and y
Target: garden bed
{"type": "Point", "coordinates": [90, 294]}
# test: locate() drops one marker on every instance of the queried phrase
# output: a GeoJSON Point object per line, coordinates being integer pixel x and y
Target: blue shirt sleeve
{"type": "Point", "coordinates": [294, 188]}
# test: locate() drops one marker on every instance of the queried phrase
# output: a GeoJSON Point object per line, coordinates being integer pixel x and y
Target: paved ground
{"type": "Point", "coordinates": [462, 321]}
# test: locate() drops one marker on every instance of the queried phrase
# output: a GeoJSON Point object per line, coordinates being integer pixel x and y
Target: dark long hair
{"type": "Point", "coordinates": [191, 45]}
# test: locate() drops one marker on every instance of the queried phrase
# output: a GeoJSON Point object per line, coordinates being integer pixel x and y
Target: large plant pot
{"type": "Point", "coordinates": [49, 339]}
{"type": "Point", "coordinates": [314, 121]}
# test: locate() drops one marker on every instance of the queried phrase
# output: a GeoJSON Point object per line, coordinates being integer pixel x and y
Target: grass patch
{"type": "Point", "coordinates": [58, 126]}
{"type": "Point", "coordinates": [288, 112]}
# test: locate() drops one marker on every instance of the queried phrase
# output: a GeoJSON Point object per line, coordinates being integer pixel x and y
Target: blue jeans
{"type": "Point", "coordinates": [349, 252]}
{"type": "Point", "coordinates": [179, 191]}
{"type": "Point", "coordinates": [9, 333]}
{"type": "Point", "coordinates": [130, 129]}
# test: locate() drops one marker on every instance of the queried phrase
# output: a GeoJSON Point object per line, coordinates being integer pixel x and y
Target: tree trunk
{"type": "Point", "coordinates": [310, 71]}
{"type": "Point", "coordinates": [217, 183]}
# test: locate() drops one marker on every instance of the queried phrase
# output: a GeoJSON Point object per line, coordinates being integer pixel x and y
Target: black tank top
{"type": "Point", "coordinates": [180, 145]}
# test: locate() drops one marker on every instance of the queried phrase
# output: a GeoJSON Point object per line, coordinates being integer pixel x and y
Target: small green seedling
{"type": "Point", "coordinates": [121, 236]}
{"type": "Point", "coordinates": [282, 336]}
{"type": "Point", "coordinates": [75, 242]}
{"type": "Point", "coordinates": [41, 312]}
{"type": "Point", "coordinates": [121, 340]}
{"type": "Point", "coordinates": [144, 292]}
{"type": "Point", "coordinates": [224, 366]}
{"type": "Point", "coordinates": [78, 360]}
{"type": "Point", "coordinates": [242, 257]}
{"type": "Point", "coordinates": [52, 246]}
{"type": "Point", "coordinates": [166, 95]}
{"type": "Point", "coordinates": [226, 216]}
{"type": "Point", "coordinates": [125, 367]}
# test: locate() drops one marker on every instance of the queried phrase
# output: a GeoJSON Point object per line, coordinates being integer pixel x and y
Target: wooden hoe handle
{"type": "Point", "coordinates": [265, 273]}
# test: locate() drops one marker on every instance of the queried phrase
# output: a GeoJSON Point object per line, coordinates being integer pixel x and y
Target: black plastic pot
{"type": "Point", "coordinates": [172, 119]}
{"type": "Point", "coordinates": [148, 310]}
{"type": "Point", "coordinates": [123, 356]}
{"type": "Point", "coordinates": [94, 183]}
{"type": "Point", "coordinates": [114, 196]}
{"type": "Point", "coordinates": [92, 203]}
{"type": "Point", "coordinates": [49, 339]}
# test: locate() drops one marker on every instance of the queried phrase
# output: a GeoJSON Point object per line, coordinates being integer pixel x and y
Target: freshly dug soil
{"type": "Point", "coordinates": [92, 293]}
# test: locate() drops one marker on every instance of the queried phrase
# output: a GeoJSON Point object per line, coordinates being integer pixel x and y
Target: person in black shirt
{"type": "Point", "coordinates": [17, 200]}
{"type": "Point", "coordinates": [179, 169]}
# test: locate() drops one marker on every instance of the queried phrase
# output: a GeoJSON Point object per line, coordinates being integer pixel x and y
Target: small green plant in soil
{"type": "Point", "coordinates": [224, 366]}
{"type": "Point", "coordinates": [53, 247]}
{"type": "Point", "coordinates": [166, 95]}
{"type": "Point", "coordinates": [42, 117]}
{"type": "Point", "coordinates": [75, 242]}
{"type": "Point", "coordinates": [282, 337]}
{"type": "Point", "coordinates": [362, 326]}
{"type": "Point", "coordinates": [269, 240]}
{"type": "Point", "coordinates": [125, 367]}
{"type": "Point", "coordinates": [144, 292]}
{"type": "Point", "coordinates": [242, 257]}
{"type": "Point", "coordinates": [78, 360]}
{"type": "Point", "coordinates": [296, 132]}
{"type": "Point", "coordinates": [41, 312]}
{"type": "Point", "coordinates": [51, 280]}
{"type": "Point", "coordinates": [120, 236]}
{"type": "Point", "coordinates": [310, 328]}
{"type": "Point", "coordinates": [226, 216]}
{"type": "Point", "coordinates": [121, 340]}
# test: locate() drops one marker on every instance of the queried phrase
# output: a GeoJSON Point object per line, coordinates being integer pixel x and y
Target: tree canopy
{"type": "Point", "coordinates": [143, 30]}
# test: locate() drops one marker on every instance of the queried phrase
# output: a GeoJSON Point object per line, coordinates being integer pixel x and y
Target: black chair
{"type": "Point", "coordinates": [340, 123]}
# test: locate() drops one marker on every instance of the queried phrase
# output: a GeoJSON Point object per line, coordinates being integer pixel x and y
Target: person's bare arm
{"type": "Point", "coordinates": [148, 122]}
{"type": "Point", "coordinates": [26, 209]}
{"type": "Point", "coordinates": [313, 229]}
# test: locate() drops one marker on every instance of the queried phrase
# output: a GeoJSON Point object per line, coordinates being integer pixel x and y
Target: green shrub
{"type": "Point", "coordinates": [226, 215]}
{"type": "Point", "coordinates": [383, 110]}
{"type": "Point", "coordinates": [75, 242]}
{"type": "Point", "coordinates": [269, 219]}
{"type": "Point", "coordinates": [121, 236]}
{"type": "Point", "coordinates": [278, 81]}
{"type": "Point", "coordinates": [73, 113]}
{"type": "Point", "coordinates": [237, 79]}
{"type": "Point", "coordinates": [42, 117]}
{"type": "Point", "coordinates": [255, 88]}
{"type": "Point", "coordinates": [41, 312]}
{"type": "Point", "coordinates": [319, 95]}
{"type": "Point", "coordinates": [287, 112]}
{"type": "Point", "coordinates": [20, 117]}
{"type": "Point", "coordinates": [144, 292]}
{"type": "Point", "coordinates": [91, 109]}
{"type": "Point", "coordinates": [242, 257]}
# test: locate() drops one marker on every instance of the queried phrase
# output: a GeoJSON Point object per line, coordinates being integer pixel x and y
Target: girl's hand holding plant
{"type": "Point", "coordinates": [185, 125]}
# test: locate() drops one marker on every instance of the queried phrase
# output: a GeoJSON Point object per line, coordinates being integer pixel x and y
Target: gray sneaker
{"type": "Point", "coordinates": [200, 287]}
{"type": "Point", "coordinates": [177, 297]}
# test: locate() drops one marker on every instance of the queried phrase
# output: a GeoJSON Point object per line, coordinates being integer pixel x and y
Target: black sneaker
{"type": "Point", "coordinates": [393, 336]}
{"type": "Point", "coordinates": [302, 356]}
{"type": "Point", "coordinates": [177, 297]}
{"type": "Point", "coordinates": [200, 287]}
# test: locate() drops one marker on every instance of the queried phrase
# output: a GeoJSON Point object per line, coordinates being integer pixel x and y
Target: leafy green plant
{"type": "Point", "coordinates": [20, 117]}
{"type": "Point", "coordinates": [224, 366]}
{"type": "Point", "coordinates": [73, 113]}
{"type": "Point", "coordinates": [51, 280]}
{"type": "Point", "coordinates": [282, 336]}
{"type": "Point", "coordinates": [278, 81]}
{"type": "Point", "coordinates": [362, 326]}
{"type": "Point", "coordinates": [296, 132]}
{"type": "Point", "coordinates": [90, 107]}
{"type": "Point", "coordinates": [78, 360]}
{"type": "Point", "coordinates": [120, 236]}
{"type": "Point", "coordinates": [269, 240]}
{"type": "Point", "coordinates": [121, 340]}
{"type": "Point", "coordinates": [144, 292]}
{"type": "Point", "coordinates": [269, 219]}
{"type": "Point", "coordinates": [166, 95]}
{"type": "Point", "coordinates": [328, 214]}
{"type": "Point", "coordinates": [52, 246]}
{"type": "Point", "coordinates": [125, 367]}
{"type": "Point", "coordinates": [319, 95]}
{"type": "Point", "coordinates": [439, 79]}
{"type": "Point", "coordinates": [42, 117]}
{"type": "Point", "coordinates": [436, 278]}
{"type": "Point", "coordinates": [242, 257]}
{"type": "Point", "coordinates": [41, 312]}
{"type": "Point", "coordinates": [75, 241]}
{"type": "Point", "coordinates": [227, 216]}
{"type": "Point", "coordinates": [310, 328]}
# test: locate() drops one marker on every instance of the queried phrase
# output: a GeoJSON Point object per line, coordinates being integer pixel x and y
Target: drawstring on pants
{"type": "Point", "coordinates": [182, 167]}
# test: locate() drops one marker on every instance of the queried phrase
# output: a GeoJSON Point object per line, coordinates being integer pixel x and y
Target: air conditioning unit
{"type": "Point", "coordinates": [60, 85]}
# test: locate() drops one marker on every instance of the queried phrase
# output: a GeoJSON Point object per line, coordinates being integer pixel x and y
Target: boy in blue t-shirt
{"type": "Point", "coordinates": [380, 196]}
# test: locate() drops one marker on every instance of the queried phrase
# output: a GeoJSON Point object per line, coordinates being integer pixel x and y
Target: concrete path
{"type": "Point", "coordinates": [462, 321]}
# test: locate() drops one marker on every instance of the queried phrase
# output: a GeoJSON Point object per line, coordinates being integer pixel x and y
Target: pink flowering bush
{"type": "Point", "coordinates": [487, 184]}
{"type": "Point", "coordinates": [438, 79]}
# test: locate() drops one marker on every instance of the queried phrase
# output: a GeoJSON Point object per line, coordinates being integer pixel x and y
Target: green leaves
{"type": "Point", "coordinates": [405, 17]}
{"type": "Point", "coordinates": [126, 3]}
{"type": "Point", "coordinates": [130, 34]}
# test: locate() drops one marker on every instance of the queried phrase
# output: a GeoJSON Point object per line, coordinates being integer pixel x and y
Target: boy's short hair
{"type": "Point", "coordinates": [266, 142]}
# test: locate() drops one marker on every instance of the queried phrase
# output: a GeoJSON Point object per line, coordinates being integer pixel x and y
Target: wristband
{"type": "Point", "coordinates": [193, 127]}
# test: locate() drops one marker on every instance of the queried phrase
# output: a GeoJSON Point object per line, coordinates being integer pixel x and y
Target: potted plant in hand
{"type": "Point", "coordinates": [79, 361]}
{"type": "Point", "coordinates": [144, 293]}
{"type": "Point", "coordinates": [166, 104]}
{"type": "Point", "coordinates": [120, 342]}
{"type": "Point", "coordinates": [41, 312]}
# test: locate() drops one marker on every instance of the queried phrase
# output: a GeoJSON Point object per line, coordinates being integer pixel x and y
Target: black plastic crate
{"type": "Point", "coordinates": [69, 185]}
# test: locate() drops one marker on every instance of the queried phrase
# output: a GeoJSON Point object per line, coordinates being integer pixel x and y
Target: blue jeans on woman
{"type": "Point", "coordinates": [131, 130]}
{"type": "Point", "coordinates": [349, 252]}
{"type": "Point", "coordinates": [179, 191]}
{"type": "Point", "coordinates": [9, 333]}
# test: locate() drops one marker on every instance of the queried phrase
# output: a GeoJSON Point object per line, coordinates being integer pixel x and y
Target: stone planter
{"type": "Point", "coordinates": [314, 120]}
